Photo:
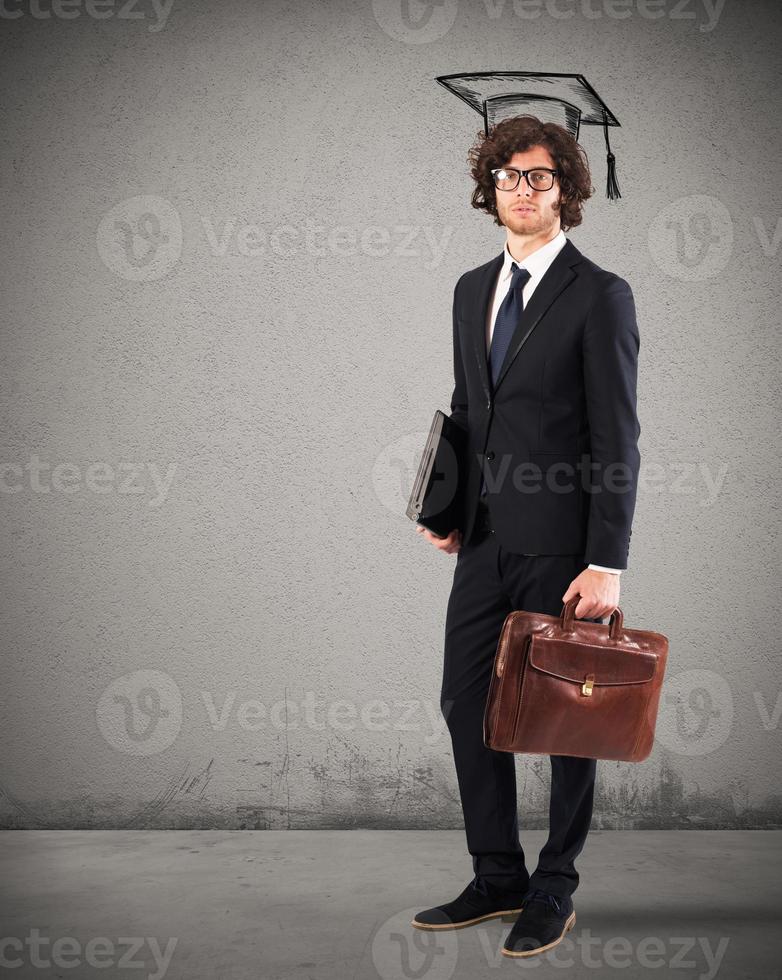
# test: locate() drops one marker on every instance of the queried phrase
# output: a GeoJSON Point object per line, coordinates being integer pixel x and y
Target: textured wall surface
{"type": "Point", "coordinates": [230, 238]}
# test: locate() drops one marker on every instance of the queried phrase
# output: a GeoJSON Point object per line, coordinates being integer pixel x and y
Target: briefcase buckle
{"type": "Point", "coordinates": [586, 687]}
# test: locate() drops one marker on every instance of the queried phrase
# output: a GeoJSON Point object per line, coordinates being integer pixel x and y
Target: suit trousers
{"type": "Point", "coordinates": [488, 583]}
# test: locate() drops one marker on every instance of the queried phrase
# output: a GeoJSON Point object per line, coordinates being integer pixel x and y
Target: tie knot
{"type": "Point", "coordinates": [520, 277]}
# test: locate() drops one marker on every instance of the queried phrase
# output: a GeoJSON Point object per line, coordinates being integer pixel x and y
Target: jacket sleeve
{"type": "Point", "coordinates": [610, 358]}
{"type": "Point", "coordinates": [459, 396]}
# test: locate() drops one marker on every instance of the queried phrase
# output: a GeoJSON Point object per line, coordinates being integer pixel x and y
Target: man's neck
{"type": "Point", "coordinates": [520, 246]}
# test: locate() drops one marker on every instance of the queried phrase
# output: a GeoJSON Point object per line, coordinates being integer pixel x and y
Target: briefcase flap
{"type": "Point", "coordinates": [572, 660]}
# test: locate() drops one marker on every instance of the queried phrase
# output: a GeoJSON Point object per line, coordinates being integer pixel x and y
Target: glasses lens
{"type": "Point", "coordinates": [540, 180]}
{"type": "Point", "coordinates": [505, 180]}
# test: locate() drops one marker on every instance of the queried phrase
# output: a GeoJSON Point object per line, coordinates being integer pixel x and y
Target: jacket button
{"type": "Point", "coordinates": [490, 455]}
{"type": "Point", "coordinates": [488, 405]}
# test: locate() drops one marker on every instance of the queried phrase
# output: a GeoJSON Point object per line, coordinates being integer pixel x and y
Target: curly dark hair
{"type": "Point", "coordinates": [520, 133]}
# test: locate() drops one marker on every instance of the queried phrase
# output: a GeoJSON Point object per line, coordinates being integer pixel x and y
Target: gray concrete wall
{"type": "Point", "coordinates": [216, 378]}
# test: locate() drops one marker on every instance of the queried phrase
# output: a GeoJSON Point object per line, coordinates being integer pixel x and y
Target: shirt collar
{"type": "Point", "coordinates": [536, 262]}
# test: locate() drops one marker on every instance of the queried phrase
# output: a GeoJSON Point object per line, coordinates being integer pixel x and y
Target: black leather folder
{"type": "Point", "coordinates": [437, 498]}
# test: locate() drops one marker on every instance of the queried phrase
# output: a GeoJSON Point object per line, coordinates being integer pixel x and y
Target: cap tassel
{"type": "Point", "coordinates": [612, 187]}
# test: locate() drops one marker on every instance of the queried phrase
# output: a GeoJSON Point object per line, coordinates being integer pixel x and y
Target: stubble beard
{"type": "Point", "coordinates": [533, 225]}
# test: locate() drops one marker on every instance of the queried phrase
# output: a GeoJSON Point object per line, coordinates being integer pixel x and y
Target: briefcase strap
{"type": "Point", "coordinates": [567, 617]}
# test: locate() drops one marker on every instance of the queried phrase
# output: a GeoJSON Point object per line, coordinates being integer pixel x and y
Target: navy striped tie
{"type": "Point", "coordinates": [508, 317]}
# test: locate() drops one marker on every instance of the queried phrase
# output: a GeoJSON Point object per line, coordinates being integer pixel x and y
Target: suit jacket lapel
{"type": "Point", "coordinates": [479, 314]}
{"type": "Point", "coordinates": [556, 278]}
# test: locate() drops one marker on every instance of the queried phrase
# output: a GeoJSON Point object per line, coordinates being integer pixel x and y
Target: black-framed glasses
{"type": "Point", "coordinates": [539, 178]}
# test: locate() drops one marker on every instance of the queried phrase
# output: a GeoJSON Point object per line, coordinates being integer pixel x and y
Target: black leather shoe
{"type": "Point", "coordinates": [479, 901]}
{"type": "Point", "coordinates": [542, 924]}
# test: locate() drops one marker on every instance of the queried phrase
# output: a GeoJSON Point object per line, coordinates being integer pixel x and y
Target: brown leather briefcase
{"type": "Point", "coordinates": [562, 686]}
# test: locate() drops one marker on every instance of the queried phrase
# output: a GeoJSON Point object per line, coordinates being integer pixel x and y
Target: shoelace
{"type": "Point", "coordinates": [533, 895]}
{"type": "Point", "coordinates": [538, 895]}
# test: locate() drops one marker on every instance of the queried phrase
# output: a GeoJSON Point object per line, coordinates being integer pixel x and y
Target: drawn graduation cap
{"type": "Point", "coordinates": [568, 100]}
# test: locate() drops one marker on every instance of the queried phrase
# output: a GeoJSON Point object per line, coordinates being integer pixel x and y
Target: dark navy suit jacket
{"type": "Point", "coordinates": [557, 437]}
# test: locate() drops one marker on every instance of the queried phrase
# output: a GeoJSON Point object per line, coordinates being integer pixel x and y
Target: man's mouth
{"type": "Point", "coordinates": [524, 210]}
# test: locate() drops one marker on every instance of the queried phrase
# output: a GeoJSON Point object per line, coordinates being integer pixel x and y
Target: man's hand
{"type": "Point", "coordinates": [599, 593]}
{"type": "Point", "coordinates": [450, 545]}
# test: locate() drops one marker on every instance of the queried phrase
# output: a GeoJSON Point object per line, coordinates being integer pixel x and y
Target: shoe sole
{"type": "Point", "coordinates": [542, 949]}
{"type": "Point", "coordinates": [509, 915]}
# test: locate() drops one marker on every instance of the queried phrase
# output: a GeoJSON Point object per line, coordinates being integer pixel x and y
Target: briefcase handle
{"type": "Point", "coordinates": [568, 614]}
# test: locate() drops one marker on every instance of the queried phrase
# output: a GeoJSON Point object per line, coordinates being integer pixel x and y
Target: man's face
{"type": "Point", "coordinates": [525, 211]}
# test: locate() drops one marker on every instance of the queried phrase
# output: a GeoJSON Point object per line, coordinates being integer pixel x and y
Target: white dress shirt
{"type": "Point", "coordinates": [536, 263]}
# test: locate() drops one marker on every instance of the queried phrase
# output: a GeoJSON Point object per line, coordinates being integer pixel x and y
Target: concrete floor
{"type": "Point", "coordinates": [271, 905]}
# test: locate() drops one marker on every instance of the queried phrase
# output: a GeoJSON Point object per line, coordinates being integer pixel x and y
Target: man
{"type": "Point", "coordinates": [545, 365]}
